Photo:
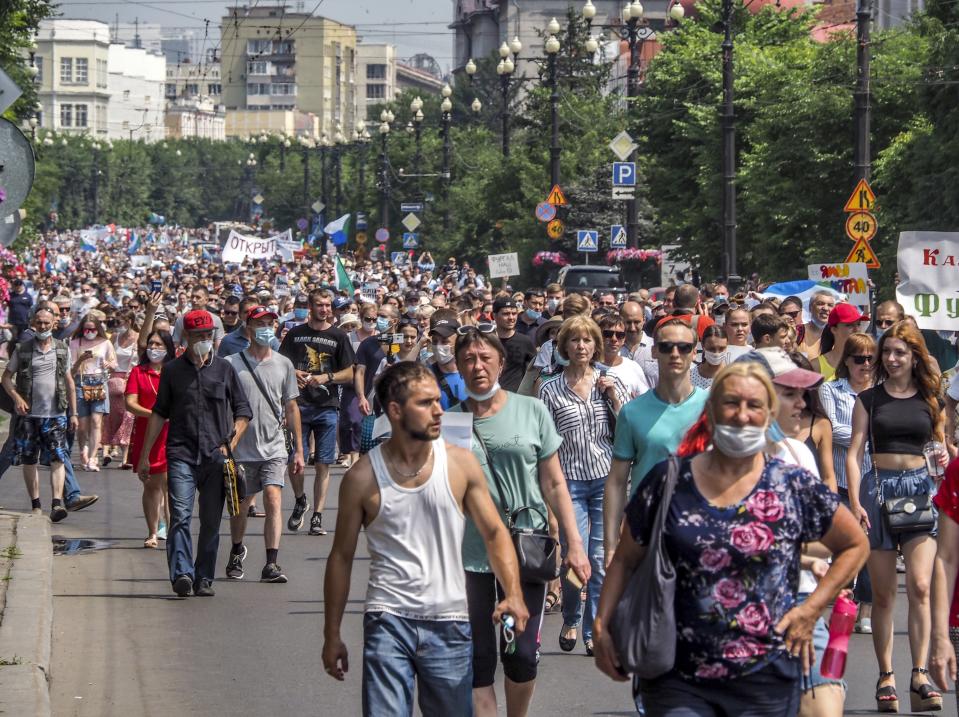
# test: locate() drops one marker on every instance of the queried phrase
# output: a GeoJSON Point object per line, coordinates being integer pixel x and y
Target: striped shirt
{"type": "Point", "coordinates": [587, 449]}
{"type": "Point", "coordinates": [838, 399]}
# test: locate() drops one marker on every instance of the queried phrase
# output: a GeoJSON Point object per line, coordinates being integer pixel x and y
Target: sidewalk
{"type": "Point", "coordinates": [26, 613]}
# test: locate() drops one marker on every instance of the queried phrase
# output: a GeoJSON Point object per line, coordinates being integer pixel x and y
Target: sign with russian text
{"type": "Point", "coordinates": [849, 279]}
{"type": "Point", "coordinates": [503, 265]}
{"type": "Point", "coordinates": [239, 247]}
{"type": "Point", "coordinates": [928, 264]}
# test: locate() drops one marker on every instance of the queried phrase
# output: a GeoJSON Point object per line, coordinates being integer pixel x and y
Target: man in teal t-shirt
{"type": "Point", "coordinates": [651, 426]}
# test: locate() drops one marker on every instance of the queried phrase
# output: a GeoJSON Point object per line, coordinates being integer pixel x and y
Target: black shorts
{"type": "Point", "coordinates": [482, 594]}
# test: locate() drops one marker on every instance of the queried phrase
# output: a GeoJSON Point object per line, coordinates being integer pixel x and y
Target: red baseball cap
{"type": "Point", "coordinates": [845, 314]}
{"type": "Point", "coordinates": [258, 312]}
{"type": "Point", "coordinates": [198, 320]}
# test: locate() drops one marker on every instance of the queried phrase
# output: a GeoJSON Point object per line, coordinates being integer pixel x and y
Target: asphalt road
{"type": "Point", "coordinates": [125, 645]}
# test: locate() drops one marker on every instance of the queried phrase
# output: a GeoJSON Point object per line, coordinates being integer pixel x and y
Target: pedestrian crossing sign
{"type": "Point", "coordinates": [587, 240]}
{"type": "Point", "coordinates": [617, 236]}
{"type": "Point", "coordinates": [411, 240]}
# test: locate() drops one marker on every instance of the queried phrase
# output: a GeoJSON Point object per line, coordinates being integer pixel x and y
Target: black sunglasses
{"type": "Point", "coordinates": [860, 360]}
{"type": "Point", "coordinates": [792, 314]}
{"type": "Point", "coordinates": [483, 327]}
{"type": "Point", "coordinates": [884, 323]}
{"type": "Point", "coordinates": [666, 347]}
{"type": "Point", "coordinates": [608, 333]}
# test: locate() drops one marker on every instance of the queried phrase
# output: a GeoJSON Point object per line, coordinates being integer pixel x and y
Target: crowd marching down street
{"type": "Point", "coordinates": [713, 485]}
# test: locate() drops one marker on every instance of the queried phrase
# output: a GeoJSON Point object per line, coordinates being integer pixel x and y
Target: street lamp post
{"type": "Point", "coordinates": [863, 152]}
{"type": "Point", "coordinates": [362, 141]}
{"type": "Point", "coordinates": [416, 127]}
{"type": "Point", "coordinates": [446, 107]}
{"type": "Point", "coordinates": [96, 181]}
{"type": "Point", "coordinates": [505, 70]}
{"type": "Point", "coordinates": [386, 117]}
{"type": "Point", "coordinates": [729, 147]}
{"type": "Point", "coordinates": [552, 48]}
{"type": "Point", "coordinates": [339, 140]}
{"type": "Point", "coordinates": [307, 144]}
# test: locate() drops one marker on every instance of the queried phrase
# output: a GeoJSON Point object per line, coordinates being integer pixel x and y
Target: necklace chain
{"type": "Point", "coordinates": [418, 470]}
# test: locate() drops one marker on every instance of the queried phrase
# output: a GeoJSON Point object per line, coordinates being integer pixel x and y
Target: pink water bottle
{"type": "Point", "coordinates": [840, 628]}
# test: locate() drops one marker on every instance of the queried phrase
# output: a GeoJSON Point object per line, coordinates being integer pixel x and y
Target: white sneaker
{"type": "Point", "coordinates": [864, 626]}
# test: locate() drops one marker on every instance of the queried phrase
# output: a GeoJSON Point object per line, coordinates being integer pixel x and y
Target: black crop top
{"type": "Point", "coordinates": [899, 425]}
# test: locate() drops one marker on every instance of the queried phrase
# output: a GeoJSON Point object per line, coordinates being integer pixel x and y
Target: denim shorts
{"type": "Point", "coordinates": [86, 408]}
{"type": "Point", "coordinates": [33, 434]}
{"type": "Point", "coordinates": [880, 485]}
{"type": "Point", "coordinates": [820, 640]}
{"type": "Point", "coordinates": [321, 424]}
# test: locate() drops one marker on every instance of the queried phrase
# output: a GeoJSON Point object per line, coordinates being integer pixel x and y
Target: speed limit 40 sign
{"type": "Point", "coordinates": [861, 226]}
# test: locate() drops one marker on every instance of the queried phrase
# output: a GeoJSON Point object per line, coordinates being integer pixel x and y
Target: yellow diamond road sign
{"type": "Point", "coordinates": [411, 221]}
{"type": "Point", "coordinates": [623, 145]}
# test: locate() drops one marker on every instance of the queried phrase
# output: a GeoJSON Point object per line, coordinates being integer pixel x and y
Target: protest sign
{"type": "Point", "coordinates": [239, 247]}
{"type": "Point", "coordinates": [501, 265]}
{"type": "Point", "coordinates": [141, 261]}
{"type": "Point", "coordinates": [849, 279]}
{"type": "Point", "coordinates": [928, 265]}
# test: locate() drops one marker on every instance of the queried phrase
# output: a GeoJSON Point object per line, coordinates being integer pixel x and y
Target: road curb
{"type": "Point", "coordinates": [26, 633]}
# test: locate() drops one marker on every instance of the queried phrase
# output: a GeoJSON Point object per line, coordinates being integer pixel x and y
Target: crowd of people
{"type": "Point", "coordinates": [789, 434]}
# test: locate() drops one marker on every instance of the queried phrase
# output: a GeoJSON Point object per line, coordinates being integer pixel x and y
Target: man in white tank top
{"type": "Point", "coordinates": [411, 494]}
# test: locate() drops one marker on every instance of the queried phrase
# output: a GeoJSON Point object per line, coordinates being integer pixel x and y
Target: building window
{"type": "Point", "coordinates": [81, 112]}
{"type": "Point", "coordinates": [101, 73]}
{"type": "Point", "coordinates": [258, 67]}
{"type": "Point", "coordinates": [38, 61]}
{"type": "Point", "coordinates": [283, 88]}
{"type": "Point", "coordinates": [258, 88]}
{"type": "Point", "coordinates": [258, 47]}
{"type": "Point", "coordinates": [214, 89]}
{"type": "Point", "coordinates": [66, 115]}
{"type": "Point", "coordinates": [376, 92]}
{"type": "Point", "coordinates": [376, 72]}
{"type": "Point", "coordinates": [192, 89]}
{"type": "Point", "coordinates": [66, 69]}
{"type": "Point", "coordinates": [170, 90]}
{"type": "Point", "coordinates": [283, 47]}
{"type": "Point", "coordinates": [82, 71]}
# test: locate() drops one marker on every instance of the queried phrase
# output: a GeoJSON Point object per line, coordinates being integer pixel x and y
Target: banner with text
{"type": "Point", "coordinates": [849, 279]}
{"type": "Point", "coordinates": [239, 247]}
{"type": "Point", "coordinates": [501, 265]}
{"type": "Point", "coordinates": [928, 265]}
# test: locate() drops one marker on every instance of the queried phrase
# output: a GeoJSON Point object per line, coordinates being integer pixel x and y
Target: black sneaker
{"type": "Point", "coordinates": [272, 573]}
{"type": "Point", "coordinates": [204, 588]}
{"type": "Point", "coordinates": [81, 502]}
{"type": "Point", "coordinates": [234, 567]}
{"type": "Point", "coordinates": [183, 585]}
{"type": "Point", "coordinates": [296, 518]}
{"type": "Point", "coordinates": [58, 513]}
{"type": "Point", "coordinates": [316, 524]}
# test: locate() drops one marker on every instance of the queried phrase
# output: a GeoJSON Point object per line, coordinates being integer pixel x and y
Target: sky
{"type": "Point", "coordinates": [412, 25]}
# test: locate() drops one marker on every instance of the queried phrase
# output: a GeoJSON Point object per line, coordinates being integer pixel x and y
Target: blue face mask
{"type": "Point", "coordinates": [264, 336]}
{"type": "Point", "coordinates": [533, 315]}
{"type": "Point", "coordinates": [382, 324]}
{"type": "Point", "coordinates": [559, 360]}
{"type": "Point", "coordinates": [720, 297]}
{"type": "Point", "coordinates": [301, 314]}
{"type": "Point", "coordinates": [775, 433]}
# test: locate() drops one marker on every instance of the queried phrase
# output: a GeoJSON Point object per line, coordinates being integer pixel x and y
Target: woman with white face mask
{"type": "Point", "coordinates": [119, 424]}
{"type": "Point", "coordinates": [714, 357]}
{"type": "Point", "coordinates": [94, 358]}
{"type": "Point", "coordinates": [735, 530]}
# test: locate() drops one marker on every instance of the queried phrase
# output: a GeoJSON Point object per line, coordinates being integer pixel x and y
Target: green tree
{"type": "Point", "coordinates": [19, 20]}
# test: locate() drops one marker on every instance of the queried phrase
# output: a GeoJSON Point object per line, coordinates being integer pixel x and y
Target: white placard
{"type": "Point", "coordinates": [141, 261]}
{"type": "Point", "coordinates": [928, 265]}
{"type": "Point", "coordinates": [849, 279]}
{"type": "Point", "coordinates": [239, 247]}
{"type": "Point", "coordinates": [501, 265]}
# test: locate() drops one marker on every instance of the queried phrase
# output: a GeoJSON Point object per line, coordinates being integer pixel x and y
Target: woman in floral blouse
{"type": "Point", "coordinates": [735, 530]}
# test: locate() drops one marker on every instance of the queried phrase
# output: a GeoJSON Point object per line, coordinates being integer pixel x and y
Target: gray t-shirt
{"type": "Point", "coordinates": [263, 439]}
{"type": "Point", "coordinates": [43, 402]}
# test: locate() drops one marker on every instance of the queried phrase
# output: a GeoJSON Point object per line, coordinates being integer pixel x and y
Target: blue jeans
{"type": "Point", "coordinates": [587, 497]}
{"type": "Point", "coordinates": [184, 480]}
{"type": "Point", "coordinates": [402, 653]}
{"type": "Point", "coordinates": [71, 489]}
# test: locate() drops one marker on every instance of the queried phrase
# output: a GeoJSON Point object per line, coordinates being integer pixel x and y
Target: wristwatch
{"type": "Point", "coordinates": [329, 377]}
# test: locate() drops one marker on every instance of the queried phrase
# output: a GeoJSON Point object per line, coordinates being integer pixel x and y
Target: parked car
{"type": "Point", "coordinates": [587, 277]}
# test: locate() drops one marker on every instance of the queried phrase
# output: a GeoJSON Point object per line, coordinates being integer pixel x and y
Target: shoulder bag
{"type": "Point", "coordinates": [536, 549]}
{"type": "Point", "coordinates": [905, 514]}
{"type": "Point", "coordinates": [288, 439]}
{"type": "Point", "coordinates": [643, 626]}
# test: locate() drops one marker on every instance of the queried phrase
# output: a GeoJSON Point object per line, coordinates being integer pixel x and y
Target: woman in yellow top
{"type": "Point", "coordinates": [843, 322]}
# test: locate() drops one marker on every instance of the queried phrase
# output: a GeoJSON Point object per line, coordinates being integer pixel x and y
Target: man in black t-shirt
{"type": "Point", "coordinates": [323, 357]}
{"type": "Point", "coordinates": [519, 348]}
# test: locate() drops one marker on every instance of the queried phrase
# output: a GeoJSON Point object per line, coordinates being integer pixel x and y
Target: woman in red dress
{"type": "Point", "coordinates": [141, 395]}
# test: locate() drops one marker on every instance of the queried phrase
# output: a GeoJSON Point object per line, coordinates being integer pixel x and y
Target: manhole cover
{"type": "Point", "coordinates": [77, 546]}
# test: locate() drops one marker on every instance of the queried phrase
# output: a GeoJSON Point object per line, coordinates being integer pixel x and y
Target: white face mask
{"type": "Point", "coordinates": [156, 355]}
{"type": "Point", "coordinates": [369, 324]}
{"type": "Point", "coordinates": [720, 319]}
{"type": "Point", "coordinates": [483, 396]}
{"type": "Point", "coordinates": [713, 358]}
{"type": "Point", "coordinates": [739, 441]}
{"type": "Point", "coordinates": [443, 353]}
{"type": "Point", "coordinates": [89, 335]}
{"type": "Point", "coordinates": [202, 348]}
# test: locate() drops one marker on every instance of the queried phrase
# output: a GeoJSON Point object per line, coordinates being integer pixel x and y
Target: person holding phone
{"type": "Point", "coordinates": [95, 358]}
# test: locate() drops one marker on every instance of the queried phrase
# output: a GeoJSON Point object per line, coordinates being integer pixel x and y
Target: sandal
{"type": "Point", "coordinates": [254, 513]}
{"type": "Point", "coordinates": [150, 542]}
{"type": "Point", "coordinates": [886, 698]}
{"type": "Point", "coordinates": [589, 647]}
{"type": "Point", "coordinates": [566, 644]}
{"type": "Point", "coordinates": [924, 698]}
{"type": "Point", "coordinates": [552, 602]}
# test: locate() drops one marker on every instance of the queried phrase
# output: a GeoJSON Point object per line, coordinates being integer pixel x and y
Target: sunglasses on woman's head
{"type": "Point", "coordinates": [483, 327]}
{"type": "Point", "coordinates": [609, 333]}
{"type": "Point", "coordinates": [860, 360]}
{"type": "Point", "coordinates": [666, 347]}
